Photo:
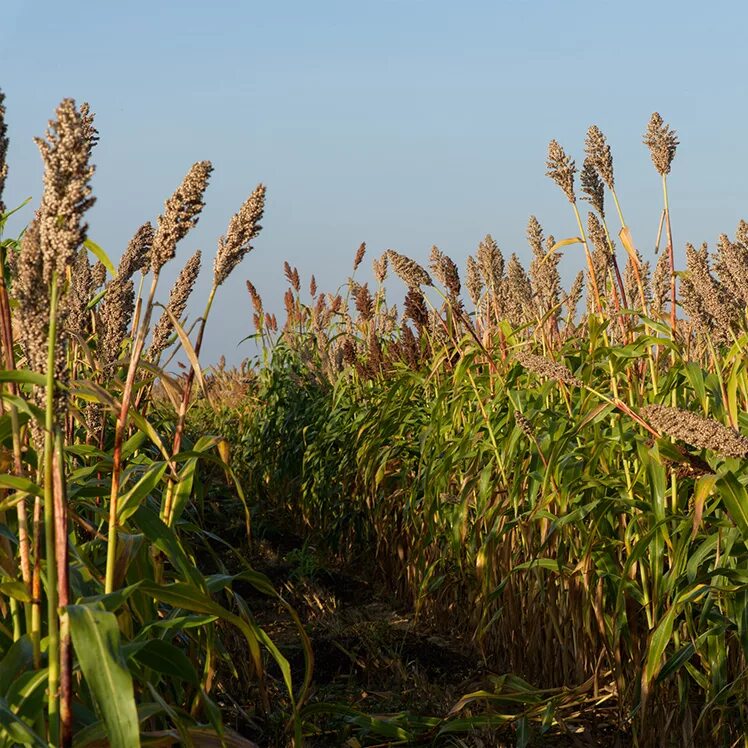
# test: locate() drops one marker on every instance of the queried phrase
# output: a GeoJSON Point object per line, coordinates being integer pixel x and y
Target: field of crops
{"type": "Point", "coordinates": [551, 482]}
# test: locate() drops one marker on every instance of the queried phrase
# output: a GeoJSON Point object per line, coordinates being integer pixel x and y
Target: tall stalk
{"type": "Point", "coordinates": [53, 679]}
{"type": "Point", "coordinates": [119, 435]}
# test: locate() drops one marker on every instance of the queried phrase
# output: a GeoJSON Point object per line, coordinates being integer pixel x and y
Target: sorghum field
{"type": "Point", "coordinates": [506, 514]}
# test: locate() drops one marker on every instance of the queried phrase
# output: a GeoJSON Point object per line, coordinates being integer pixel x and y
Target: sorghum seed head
{"type": "Point", "coordinates": [98, 274]}
{"type": "Point", "coordinates": [598, 153]}
{"type": "Point", "coordinates": [547, 368]}
{"type": "Point", "coordinates": [379, 266]}
{"type": "Point", "coordinates": [662, 143]}
{"type": "Point", "coordinates": [358, 259]}
{"type": "Point", "coordinates": [524, 424]}
{"type": "Point", "coordinates": [491, 263]}
{"type": "Point", "coordinates": [181, 213]}
{"type": "Point", "coordinates": [445, 271]}
{"type": "Point", "coordinates": [409, 271]}
{"type": "Point", "coordinates": [696, 430]}
{"type": "Point", "coordinates": [243, 227]}
{"type": "Point", "coordinates": [592, 187]}
{"type": "Point", "coordinates": [137, 254]}
{"type": "Point", "coordinates": [66, 154]}
{"type": "Point", "coordinates": [114, 318]}
{"type": "Point", "coordinates": [364, 302]}
{"type": "Point", "coordinates": [474, 281]}
{"type": "Point", "coordinates": [561, 169]}
{"type": "Point", "coordinates": [177, 303]}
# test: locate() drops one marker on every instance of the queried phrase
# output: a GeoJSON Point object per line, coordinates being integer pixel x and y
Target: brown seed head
{"type": "Point", "coordinates": [592, 187]}
{"type": "Point", "coordinates": [98, 274]}
{"type": "Point", "coordinates": [741, 235]}
{"type": "Point", "coordinates": [66, 153]}
{"type": "Point", "coordinates": [474, 281]}
{"type": "Point", "coordinates": [491, 263]}
{"type": "Point", "coordinates": [177, 303]}
{"type": "Point", "coordinates": [547, 368]}
{"type": "Point", "coordinates": [358, 259]}
{"type": "Point", "coordinates": [561, 169]}
{"type": "Point", "coordinates": [114, 316]}
{"type": "Point", "coordinates": [415, 308]}
{"type": "Point", "coordinates": [662, 143]}
{"type": "Point", "coordinates": [696, 430]}
{"type": "Point", "coordinates": [598, 154]}
{"type": "Point", "coordinates": [524, 424]}
{"type": "Point", "coordinates": [445, 271]}
{"type": "Point", "coordinates": [137, 254]}
{"type": "Point", "coordinates": [33, 302]}
{"type": "Point", "coordinates": [409, 271]}
{"type": "Point", "coordinates": [544, 275]}
{"type": "Point", "coordinates": [256, 300]}
{"type": "Point", "coordinates": [243, 227]}
{"type": "Point", "coordinates": [379, 266]}
{"type": "Point", "coordinates": [78, 316]}
{"type": "Point", "coordinates": [181, 213]}
{"type": "Point", "coordinates": [364, 302]}
{"type": "Point", "coordinates": [518, 295]}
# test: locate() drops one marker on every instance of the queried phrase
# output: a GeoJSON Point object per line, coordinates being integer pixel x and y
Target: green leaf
{"type": "Point", "coordinates": [23, 377]}
{"type": "Point", "coordinates": [657, 643]}
{"type": "Point", "coordinates": [17, 730]}
{"type": "Point", "coordinates": [17, 659]}
{"type": "Point", "coordinates": [100, 255]}
{"type": "Point", "coordinates": [163, 657]}
{"type": "Point", "coordinates": [131, 500]}
{"type": "Point", "coordinates": [96, 639]}
{"type": "Point", "coordinates": [735, 498]}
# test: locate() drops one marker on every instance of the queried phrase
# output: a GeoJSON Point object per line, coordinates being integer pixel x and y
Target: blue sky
{"type": "Point", "coordinates": [400, 123]}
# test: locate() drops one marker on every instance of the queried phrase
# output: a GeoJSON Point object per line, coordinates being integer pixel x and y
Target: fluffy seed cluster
{"type": "Point", "coordinates": [445, 271]}
{"type": "Point", "coordinates": [592, 186]}
{"type": "Point", "coordinates": [544, 274]}
{"type": "Point", "coordinates": [710, 307]}
{"type": "Point", "coordinates": [474, 281]}
{"type": "Point", "coordinates": [181, 213]}
{"type": "Point", "coordinates": [599, 156]}
{"type": "Point", "coordinates": [415, 308]}
{"type": "Point", "coordinates": [409, 271]}
{"type": "Point", "coordinates": [33, 305]}
{"type": "Point", "coordinates": [696, 430]}
{"type": "Point", "coordinates": [3, 151]}
{"type": "Point", "coordinates": [177, 303]}
{"type": "Point", "coordinates": [359, 258]}
{"type": "Point", "coordinates": [114, 319]}
{"type": "Point", "coordinates": [517, 297]}
{"type": "Point", "coordinates": [138, 252]}
{"type": "Point", "coordinates": [66, 154]}
{"type": "Point", "coordinates": [662, 143]}
{"type": "Point", "coordinates": [363, 301]}
{"type": "Point", "coordinates": [524, 424]}
{"type": "Point", "coordinates": [79, 294]}
{"type": "Point", "coordinates": [732, 265]}
{"type": "Point", "coordinates": [379, 268]}
{"type": "Point", "coordinates": [243, 227]}
{"type": "Point", "coordinates": [491, 263]}
{"type": "Point", "coordinates": [547, 368]}
{"type": "Point", "coordinates": [561, 169]}
{"type": "Point", "coordinates": [98, 274]}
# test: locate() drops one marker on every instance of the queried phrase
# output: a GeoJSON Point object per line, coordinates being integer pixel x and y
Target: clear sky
{"type": "Point", "coordinates": [402, 123]}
